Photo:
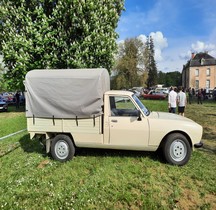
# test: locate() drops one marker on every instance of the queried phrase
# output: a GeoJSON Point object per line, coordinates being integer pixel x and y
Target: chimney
{"type": "Point", "coordinates": [192, 55]}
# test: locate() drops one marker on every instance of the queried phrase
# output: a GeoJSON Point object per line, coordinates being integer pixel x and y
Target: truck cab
{"type": "Point", "coordinates": [125, 121]}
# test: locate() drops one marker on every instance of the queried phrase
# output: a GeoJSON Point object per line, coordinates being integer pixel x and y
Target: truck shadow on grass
{"type": "Point", "coordinates": [85, 152]}
{"type": "Point", "coordinates": [34, 146]}
{"type": "Point", "coordinates": [31, 146]}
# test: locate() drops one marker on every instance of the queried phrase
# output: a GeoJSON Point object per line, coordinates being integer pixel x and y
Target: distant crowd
{"type": "Point", "coordinates": [179, 97]}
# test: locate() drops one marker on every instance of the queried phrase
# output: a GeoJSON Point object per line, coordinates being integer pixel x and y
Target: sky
{"type": "Point", "coordinates": [178, 28]}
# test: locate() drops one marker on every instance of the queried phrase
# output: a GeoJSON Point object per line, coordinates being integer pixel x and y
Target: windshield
{"type": "Point", "coordinates": [141, 106]}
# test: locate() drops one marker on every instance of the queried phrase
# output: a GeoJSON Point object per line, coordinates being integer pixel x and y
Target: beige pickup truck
{"type": "Point", "coordinates": [68, 109]}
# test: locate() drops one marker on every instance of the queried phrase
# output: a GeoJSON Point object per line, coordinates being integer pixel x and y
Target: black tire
{"type": "Point", "coordinates": [177, 149]}
{"type": "Point", "coordinates": [62, 148]}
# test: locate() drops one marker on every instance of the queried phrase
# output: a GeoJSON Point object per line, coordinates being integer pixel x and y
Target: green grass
{"type": "Point", "coordinates": [108, 179]}
{"type": "Point", "coordinates": [12, 121]}
{"type": "Point", "coordinates": [156, 105]}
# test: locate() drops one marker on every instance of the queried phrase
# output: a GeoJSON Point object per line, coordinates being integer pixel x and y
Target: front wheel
{"type": "Point", "coordinates": [62, 148]}
{"type": "Point", "coordinates": [177, 149]}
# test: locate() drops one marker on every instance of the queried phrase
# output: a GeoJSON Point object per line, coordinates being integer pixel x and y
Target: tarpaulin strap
{"type": "Point", "coordinates": [94, 120]}
{"type": "Point", "coordinates": [76, 121]}
{"type": "Point", "coordinates": [33, 119]}
{"type": "Point", "coordinates": [102, 118]}
{"type": "Point", "coordinates": [53, 120]}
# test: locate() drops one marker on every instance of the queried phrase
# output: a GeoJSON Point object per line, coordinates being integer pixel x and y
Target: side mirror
{"type": "Point", "coordinates": [139, 115]}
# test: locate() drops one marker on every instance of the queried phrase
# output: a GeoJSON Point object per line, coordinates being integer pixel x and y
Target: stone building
{"type": "Point", "coordinates": [199, 72]}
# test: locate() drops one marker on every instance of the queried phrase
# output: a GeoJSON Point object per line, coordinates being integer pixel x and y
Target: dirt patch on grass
{"type": "Point", "coordinates": [43, 164]}
{"type": "Point", "coordinates": [191, 199]}
{"type": "Point", "coordinates": [188, 200]}
{"type": "Point", "coordinates": [211, 199]}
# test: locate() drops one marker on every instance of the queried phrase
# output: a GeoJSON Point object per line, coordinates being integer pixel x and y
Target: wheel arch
{"type": "Point", "coordinates": [67, 134]}
{"type": "Point", "coordinates": [50, 135]}
{"type": "Point", "coordinates": [176, 131]}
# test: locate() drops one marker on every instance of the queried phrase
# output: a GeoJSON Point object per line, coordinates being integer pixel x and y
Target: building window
{"type": "Point", "coordinates": [208, 72]}
{"type": "Point", "coordinates": [197, 84]}
{"type": "Point", "coordinates": [197, 72]}
{"type": "Point", "coordinates": [202, 61]}
{"type": "Point", "coordinates": [207, 83]}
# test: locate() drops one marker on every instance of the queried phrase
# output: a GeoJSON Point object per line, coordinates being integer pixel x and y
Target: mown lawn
{"type": "Point", "coordinates": [12, 121]}
{"type": "Point", "coordinates": [106, 179]}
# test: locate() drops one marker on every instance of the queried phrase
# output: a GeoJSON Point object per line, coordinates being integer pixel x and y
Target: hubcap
{"type": "Point", "coordinates": [61, 149]}
{"type": "Point", "coordinates": [178, 150]}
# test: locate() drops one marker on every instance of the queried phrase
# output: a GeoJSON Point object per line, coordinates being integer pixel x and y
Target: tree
{"type": "Point", "coordinates": [170, 78]}
{"type": "Point", "coordinates": [161, 77]}
{"type": "Point", "coordinates": [150, 64]}
{"type": "Point", "coordinates": [3, 84]}
{"type": "Point", "coordinates": [129, 64]}
{"type": "Point", "coordinates": [173, 79]}
{"type": "Point", "coordinates": [57, 34]}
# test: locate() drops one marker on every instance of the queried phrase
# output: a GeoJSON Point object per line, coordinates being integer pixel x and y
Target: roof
{"type": "Point", "coordinates": [202, 59]}
{"type": "Point", "coordinates": [119, 92]}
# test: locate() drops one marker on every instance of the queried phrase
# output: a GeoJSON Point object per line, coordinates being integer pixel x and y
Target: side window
{"type": "Point", "coordinates": [207, 83]}
{"type": "Point", "coordinates": [197, 84]}
{"type": "Point", "coordinates": [122, 106]}
{"type": "Point", "coordinates": [208, 72]}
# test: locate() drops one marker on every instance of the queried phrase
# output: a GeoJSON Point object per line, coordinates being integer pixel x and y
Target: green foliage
{"type": "Point", "coordinates": [150, 63]}
{"type": "Point", "coordinates": [128, 65]}
{"type": "Point", "coordinates": [57, 34]}
{"type": "Point", "coordinates": [170, 78]}
{"type": "Point", "coordinates": [3, 85]}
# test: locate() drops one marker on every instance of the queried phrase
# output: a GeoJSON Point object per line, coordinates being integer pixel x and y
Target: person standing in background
{"type": "Point", "coordinates": [199, 97]}
{"type": "Point", "coordinates": [172, 97]}
{"type": "Point", "coordinates": [181, 101]}
{"type": "Point", "coordinates": [190, 95]}
{"type": "Point", "coordinates": [17, 98]}
{"type": "Point", "coordinates": [214, 94]}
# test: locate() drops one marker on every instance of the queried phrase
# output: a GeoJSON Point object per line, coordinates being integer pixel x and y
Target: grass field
{"type": "Point", "coordinates": [12, 121]}
{"type": "Point", "coordinates": [106, 179]}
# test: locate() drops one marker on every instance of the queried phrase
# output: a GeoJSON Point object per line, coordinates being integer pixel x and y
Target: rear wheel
{"type": "Point", "coordinates": [177, 149]}
{"type": "Point", "coordinates": [62, 148]}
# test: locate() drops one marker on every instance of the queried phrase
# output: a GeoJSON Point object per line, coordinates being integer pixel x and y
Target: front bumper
{"type": "Point", "coordinates": [3, 108]}
{"type": "Point", "coordinates": [198, 145]}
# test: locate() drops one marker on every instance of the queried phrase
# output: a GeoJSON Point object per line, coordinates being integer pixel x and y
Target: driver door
{"type": "Point", "coordinates": [126, 130]}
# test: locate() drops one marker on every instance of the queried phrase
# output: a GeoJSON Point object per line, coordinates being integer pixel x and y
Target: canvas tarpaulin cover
{"type": "Point", "coordinates": [65, 93]}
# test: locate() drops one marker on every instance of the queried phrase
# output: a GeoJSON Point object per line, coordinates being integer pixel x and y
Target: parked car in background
{"type": "Point", "coordinates": [8, 97]}
{"type": "Point", "coordinates": [163, 90]}
{"type": "Point", "coordinates": [152, 94]}
{"type": "Point", "coordinates": [3, 105]}
{"type": "Point", "coordinates": [10, 100]}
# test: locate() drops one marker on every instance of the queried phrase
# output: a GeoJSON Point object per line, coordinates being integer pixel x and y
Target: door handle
{"type": "Point", "coordinates": [114, 121]}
